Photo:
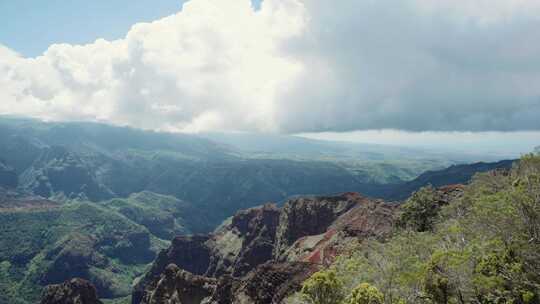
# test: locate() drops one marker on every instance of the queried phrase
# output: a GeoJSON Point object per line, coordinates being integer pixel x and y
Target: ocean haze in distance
{"type": "Point", "coordinates": [501, 144]}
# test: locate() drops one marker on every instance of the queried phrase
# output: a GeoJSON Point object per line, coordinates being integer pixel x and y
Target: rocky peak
{"type": "Point", "coordinates": [262, 254]}
{"type": "Point", "coordinates": [177, 286]}
{"type": "Point", "coordinates": [269, 283]}
{"type": "Point", "coordinates": [367, 218]}
{"type": "Point", "coordinates": [245, 242]}
{"type": "Point", "coordinates": [239, 245]}
{"type": "Point", "coordinates": [256, 222]}
{"type": "Point", "coordinates": [306, 216]}
{"type": "Point", "coordinates": [74, 291]}
{"type": "Point", "coordinates": [190, 253]}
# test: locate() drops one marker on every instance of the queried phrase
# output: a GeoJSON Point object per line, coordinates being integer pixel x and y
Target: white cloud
{"type": "Point", "coordinates": [215, 64]}
{"type": "Point", "coordinates": [417, 65]}
{"type": "Point", "coordinates": [297, 66]}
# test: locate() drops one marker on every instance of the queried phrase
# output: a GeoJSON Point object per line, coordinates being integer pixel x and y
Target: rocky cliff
{"type": "Point", "coordinates": [263, 254]}
{"type": "Point", "coordinates": [74, 291]}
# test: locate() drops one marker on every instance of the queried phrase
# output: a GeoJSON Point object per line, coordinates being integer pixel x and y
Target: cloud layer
{"type": "Point", "coordinates": [297, 66]}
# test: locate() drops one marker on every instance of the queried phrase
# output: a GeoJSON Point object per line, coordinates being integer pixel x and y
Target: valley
{"type": "Point", "coordinates": [101, 202]}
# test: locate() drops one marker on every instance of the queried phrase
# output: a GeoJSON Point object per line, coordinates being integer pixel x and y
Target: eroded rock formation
{"type": "Point", "coordinates": [74, 291]}
{"type": "Point", "coordinates": [263, 254]}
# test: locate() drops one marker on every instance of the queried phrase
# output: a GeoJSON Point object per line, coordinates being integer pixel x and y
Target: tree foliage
{"type": "Point", "coordinates": [365, 293]}
{"type": "Point", "coordinates": [323, 287]}
{"type": "Point", "coordinates": [420, 210]}
{"type": "Point", "coordinates": [481, 248]}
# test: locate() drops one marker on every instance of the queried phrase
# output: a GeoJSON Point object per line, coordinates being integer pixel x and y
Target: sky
{"type": "Point", "coordinates": [422, 72]}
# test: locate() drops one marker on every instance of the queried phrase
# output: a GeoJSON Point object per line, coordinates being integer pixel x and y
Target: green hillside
{"type": "Point", "coordinates": [215, 174]}
{"type": "Point", "coordinates": [483, 247]}
{"type": "Point", "coordinates": [46, 246]}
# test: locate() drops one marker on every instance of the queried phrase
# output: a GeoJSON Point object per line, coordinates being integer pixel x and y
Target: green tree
{"type": "Point", "coordinates": [365, 294]}
{"type": "Point", "coordinates": [482, 247]}
{"type": "Point", "coordinates": [421, 209]}
{"type": "Point", "coordinates": [323, 287]}
{"type": "Point", "coordinates": [436, 283]}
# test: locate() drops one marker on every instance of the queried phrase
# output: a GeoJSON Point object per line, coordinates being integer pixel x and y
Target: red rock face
{"type": "Point", "coordinates": [263, 254]}
{"type": "Point", "coordinates": [308, 216]}
{"type": "Point", "coordinates": [367, 218]}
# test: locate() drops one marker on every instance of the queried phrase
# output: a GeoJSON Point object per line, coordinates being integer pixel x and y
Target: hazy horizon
{"type": "Point", "coordinates": [494, 144]}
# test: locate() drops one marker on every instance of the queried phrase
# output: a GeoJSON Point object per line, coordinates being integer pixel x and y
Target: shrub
{"type": "Point", "coordinates": [323, 287]}
{"type": "Point", "coordinates": [365, 294]}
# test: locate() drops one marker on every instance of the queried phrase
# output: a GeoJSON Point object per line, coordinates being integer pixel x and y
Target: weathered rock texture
{"type": "Point", "coordinates": [74, 291]}
{"type": "Point", "coordinates": [263, 254]}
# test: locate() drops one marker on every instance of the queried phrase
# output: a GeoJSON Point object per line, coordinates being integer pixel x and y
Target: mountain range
{"type": "Point", "coordinates": [101, 202]}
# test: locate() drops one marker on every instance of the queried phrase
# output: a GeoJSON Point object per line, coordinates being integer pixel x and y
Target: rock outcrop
{"type": "Point", "coordinates": [190, 253]}
{"type": "Point", "coordinates": [262, 255]}
{"type": "Point", "coordinates": [367, 218]}
{"type": "Point", "coordinates": [74, 291]}
{"type": "Point", "coordinates": [310, 216]}
{"type": "Point", "coordinates": [245, 241]}
{"type": "Point", "coordinates": [236, 247]}
{"type": "Point", "coordinates": [269, 283]}
{"type": "Point", "coordinates": [177, 286]}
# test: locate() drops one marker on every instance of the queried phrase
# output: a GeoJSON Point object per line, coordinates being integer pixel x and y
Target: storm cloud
{"type": "Point", "coordinates": [297, 66]}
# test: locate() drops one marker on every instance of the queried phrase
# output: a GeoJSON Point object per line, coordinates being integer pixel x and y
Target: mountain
{"type": "Point", "coordinates": [456, 174]}
{"type": "Point", "coordinates": [147, 220]}
{"type": "Point", "coordinates": [164, 216]}
{"type": "Point", "coordinates": [348, 244]}
{"type": "Point", "coordinates": [99, 202]}
{"type": "Point", "coordinates": [93, 162]}
{"type": "Point", "coordinates": [214, 174]}
{"type": "Point", "coordinates": [370, 163]}
{"type": "Point", "coordinates": [481, 246]}
{"type": "Point", "coordinates": [44, 242]}
{"type": "Point", "coordinates": [264, 254]}
{"type": "Point", "coordinates": [261, 255]}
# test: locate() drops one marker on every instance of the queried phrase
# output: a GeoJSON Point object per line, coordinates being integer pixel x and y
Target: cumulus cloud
{"type": "Point", "coordinates": [297, 66]}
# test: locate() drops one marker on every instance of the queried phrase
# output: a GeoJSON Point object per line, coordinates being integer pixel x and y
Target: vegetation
{"type": "Point", "coordinates": [483, 247]}
{"type": "Point", "coordinates": [48, 246]}
{"type": "Point", "coordinates": [323, 288]}
{"type": "Point", "coordinates": [108, 220]}
{"type": "Point", "coordinates": [217, 174]}
{"type": "Point", "coordinates": [164, 216]}
{"type": "Point", "coordinates": [365, 294]}
{"type": "Point", "coordinates": [420, 210]}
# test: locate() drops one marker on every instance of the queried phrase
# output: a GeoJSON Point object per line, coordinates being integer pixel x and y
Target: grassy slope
{"type": "Point", "coordinates": [48, 246]}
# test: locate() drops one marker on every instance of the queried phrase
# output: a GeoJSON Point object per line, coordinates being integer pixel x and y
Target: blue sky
{"type": "Point", "coordinates": [30, 26]}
